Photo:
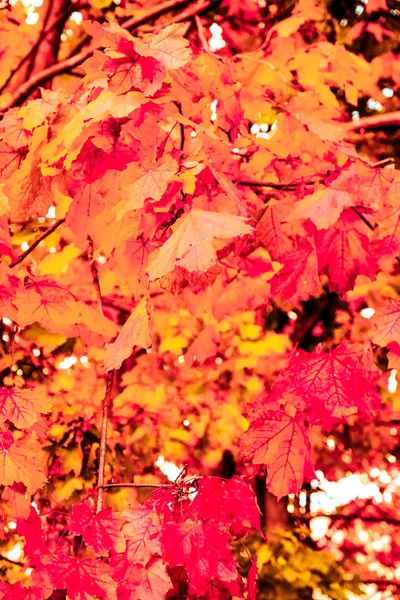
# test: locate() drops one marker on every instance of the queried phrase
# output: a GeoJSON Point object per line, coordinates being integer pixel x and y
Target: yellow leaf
{"type": "Point", "coordinates": [64, 490]}
{"type": "Point", "coordinates": [101, 3]}
{"type": "Point", "coordinates": [248, 331]}
{"type": "Point", "coordinates": [175, 344]}
{"type": "Point", "coordinates": [71, 460]}
{"type": "Point", "coordinates": [254, 385]}
{"type": "Point", "coordinates": [57, 263]}
{"type": "Point", "coordinates": [288, 26]}
{"type": "Point", "coordinates": [135, 332]}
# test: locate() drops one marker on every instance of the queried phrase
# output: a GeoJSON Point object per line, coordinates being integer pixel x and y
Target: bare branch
{"type": "Point", "coordinates": [103, 439]}
{"type": "Point", "coordinates": [54, 25]}
{"type": "Point", "coordinates": [375, 122]}
{"type": "Point", "coordinates": [275, 186]}
{"type": "Point", "coordinates": [95, 275]}
{"type": "Point", "coordinates": [136, 485]}
{"type": "Point", "coordinates": [65, 65]}
{"type": "Point", "coordinates": [34, 244]}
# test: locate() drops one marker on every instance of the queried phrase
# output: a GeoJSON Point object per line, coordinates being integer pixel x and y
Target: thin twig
{"type": "Point", "coordinates": [107, 400]}
{"type": "Point", "coordinates": [95, 275]}
{"type": "Point", "coordinates": [275, 186]}
{"type": "Point", "coordinates": [103, 438]}
{"type": "Point", "coordinates": [136, 485]}
{"type": "Point", "coordinates": [34, 244]}
{"type": "Point", "coordinates": [201, 33]}
{"type": "Point", "coordinates": [364, 219]}
{"type": "Point", "coordinates": [181, 126]}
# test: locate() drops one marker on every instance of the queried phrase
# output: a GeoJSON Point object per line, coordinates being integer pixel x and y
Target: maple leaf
{"type": "Point", "coordinates": [14, 466]}
{"type": "Point", "coordinates": [273, 231]}
{"type": "Point", "coordinates": [100, 531]}
{"type": "Point", "coordinates": [22, 407]}
{"type": "Point", "coordinates": [323, 207]}
{"type": "Point", "coordinates": [138, 582]}
{"type": "Point", "coordinates": [57, 310]}
{"type": "Point", "coordinates": [386, 324]}
{"type": "Point", "coordinates": [230, 502]}
{"type": "Point", "coordinates": [10, 159]}
{"type": "Point", "coordinates": [17, 500]}
{"type": "Point", "coordinates": [17, 591]}
{"type": "Point", "coordinates": [169, 46]}
{"type": "Point", "coordinates": [191, 244]}
{"type": "Point", "coordinates": [142, 529]}
{"type": "Point", "coordinates": [152, 183]}
{"type": "Point", "coordinates": [299, 277]}
{"type": "Point", "coordinates": [344, 252]}
{"type": "Point", "coordinates": [82, 578]}
{"type": "Point", "coordinates": [280, 442]}
{"type": "Point", "coordinates": [31, 529]}
{"type": "Point", "coordinates": [135, 332]}
{"type": "Point", "coordinates": [330, 385]}
{"type": "Point", "coordinates": [199, 546]}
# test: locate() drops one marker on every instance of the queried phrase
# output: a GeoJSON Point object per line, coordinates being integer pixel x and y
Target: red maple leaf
{"type": "Point", "coordinates": [298, 279]}
{"type": "Point", "coordinates": [344, 252]}
{"type": "Point", "coordinates": [99, 531]}
{"type": "Point", "coordinates": [139, 582]}
{"type": "Point", "coordinates": [142, 529]}
{"type": "Point", "coordinates": [280, 442]}
{"type": "Point", "coordinates": [200, 546]}
{"type": "Point", "coordinates": [330, 385]}
{"type": "Point", "coordinates": [82, 578]}
{"type": "Point", "coordinates": [231, 502]}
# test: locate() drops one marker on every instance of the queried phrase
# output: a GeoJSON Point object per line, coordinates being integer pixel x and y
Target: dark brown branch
{"type": "Point", "coordinates": [103, 439]}
{"type": "Point", "coordinates": [34, 244]}
{"type": "Point", "coordinates": [56, 23]}
{"type": "Point", "coordinates": [275, 186]}
{"type": "Point", "coordinates": [66, 65]}
{"type": "Point", "coordinates": [375, 122]}
{"type": "Point", "coordinates": [12, 562]}
{"type": "Point", "coordinates": [136, 485]}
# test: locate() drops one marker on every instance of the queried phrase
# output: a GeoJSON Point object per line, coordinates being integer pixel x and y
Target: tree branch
{"type": "Point", "coordinates": [34, 244]}
{"type": "Point", "coordinates": [103, 439]}
{"type": "Point", "coordinates": [65, 65]}
{"type": "Point", "coordinates": [136, 485]}
{"type": "Point", "coordinates": [95, 275]}
{"type": "Point", "coordinates": [275, 186]}
{"type": "Point", "coordinates": [375, 122]}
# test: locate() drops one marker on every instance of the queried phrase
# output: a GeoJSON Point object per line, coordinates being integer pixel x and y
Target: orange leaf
{"type": "Point", "coordinates": [191, 245]}
{"type": "Point", "coordinates": [135, 332]}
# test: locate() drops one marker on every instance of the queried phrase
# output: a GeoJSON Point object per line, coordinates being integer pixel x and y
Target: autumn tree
{"type": "Point", "coordinates": [195, 210]}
